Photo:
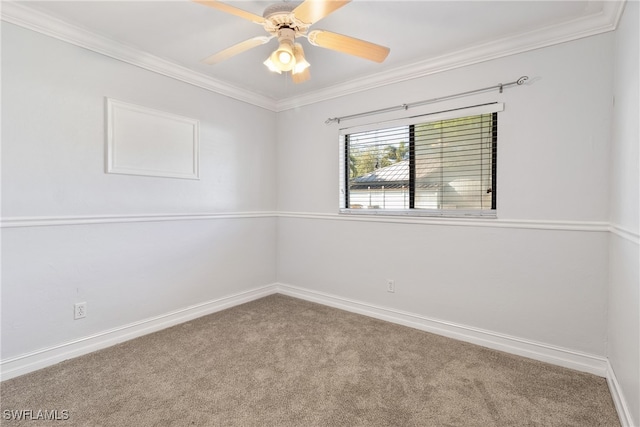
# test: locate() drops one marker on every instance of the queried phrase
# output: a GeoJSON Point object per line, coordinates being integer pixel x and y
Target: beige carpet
{"type": "Point", "coordinates": [280, 361]}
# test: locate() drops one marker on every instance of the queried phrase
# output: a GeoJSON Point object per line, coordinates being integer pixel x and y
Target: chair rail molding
{"type": "Point", "coordinates": [625, 233]}
{"type": "Point", "coordinates": [18, 222]}
{"type": "Point", "coordinates": [589, 226]}
{"type": "Point", "coordinates": [48, 221]}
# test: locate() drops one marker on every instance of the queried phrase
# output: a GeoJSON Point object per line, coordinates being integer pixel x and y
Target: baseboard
{"type": "Point", "coordinates": [534, 350]}
{"type": "Point", "coordinates": [626, 420]}
{"type": "Point", "coordinates": [42, 358]}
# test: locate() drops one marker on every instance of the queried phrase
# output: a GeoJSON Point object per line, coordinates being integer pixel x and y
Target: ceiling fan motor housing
{"type": "Point", "coordinates": [278, 8]}
{"type": "Point", "coordinates": [279, 16]}
{"type": "Point", "coordinates": [286, 33]}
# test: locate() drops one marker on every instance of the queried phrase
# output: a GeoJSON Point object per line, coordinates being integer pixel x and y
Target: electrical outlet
{"type": "Point", "coordinates": [80, 310]}
{"type": "Point", "coordinates": [391, 285]}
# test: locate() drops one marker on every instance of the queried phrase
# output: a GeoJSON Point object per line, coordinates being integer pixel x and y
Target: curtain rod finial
{"type": "Point", "coordinates": [522, 80]}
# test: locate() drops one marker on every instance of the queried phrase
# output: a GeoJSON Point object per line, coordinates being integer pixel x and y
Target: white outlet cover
{"type": "Point", "coordinates": [80, 310]}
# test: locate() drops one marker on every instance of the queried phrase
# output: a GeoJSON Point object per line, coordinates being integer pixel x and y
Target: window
{"type": "Point", "coordinates": [426, 165]}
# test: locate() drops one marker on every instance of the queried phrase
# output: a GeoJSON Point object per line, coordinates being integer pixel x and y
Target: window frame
{"type": "Point", "coordinates": [494, 107]}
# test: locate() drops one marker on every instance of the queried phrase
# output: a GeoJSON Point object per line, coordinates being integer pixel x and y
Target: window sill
{"type": "Point", "coordinates": [411, 213]}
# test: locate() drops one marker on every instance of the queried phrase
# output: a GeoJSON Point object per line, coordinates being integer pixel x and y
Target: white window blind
{"type": "Point", "coordinates": [442, 164]}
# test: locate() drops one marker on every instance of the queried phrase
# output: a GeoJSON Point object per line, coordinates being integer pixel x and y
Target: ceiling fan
{"type": "Point", "coordinates": [288, 21]}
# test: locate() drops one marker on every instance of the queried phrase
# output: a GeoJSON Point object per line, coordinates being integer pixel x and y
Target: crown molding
{"type": "Point", "coordinates": [29, 18]}
{"type": "Point", "coordinates": [604, 21]}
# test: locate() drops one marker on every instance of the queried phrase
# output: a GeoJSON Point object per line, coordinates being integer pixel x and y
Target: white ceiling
{"type": "Point", "coordinates": [424, 37]}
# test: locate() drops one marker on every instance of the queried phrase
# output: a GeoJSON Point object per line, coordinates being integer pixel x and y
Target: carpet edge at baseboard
{"type": "Point", "coordinates": [23, 364]}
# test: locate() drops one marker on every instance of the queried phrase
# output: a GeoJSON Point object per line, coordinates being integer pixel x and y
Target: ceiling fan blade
{"type": "Point", "coordinates": [231, 9]}
{"type": "Point", "coordinates": [236, 49]}
{"type": "Point", "coordinates": [311, 11]}
{"type": "Point", "coordinates": [348, 45]}
{"type": "Point", "coordinates": [301, 77]}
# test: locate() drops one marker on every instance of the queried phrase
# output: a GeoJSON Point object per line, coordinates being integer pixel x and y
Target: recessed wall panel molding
{"type": "Point", "coordinates": [148, 142]}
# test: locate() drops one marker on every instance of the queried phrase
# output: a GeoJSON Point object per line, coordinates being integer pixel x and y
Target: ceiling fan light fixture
{"type": "Point", "coordinates": [301, 62]}
{"type": "Point", "coordinates": [285, 52]}
{"type": "Point", "coordinates": [271, 65]}
{"type": "Point", "coordinates": [301, 77]}
{"type": "Point", "coordinates": [283, 57]}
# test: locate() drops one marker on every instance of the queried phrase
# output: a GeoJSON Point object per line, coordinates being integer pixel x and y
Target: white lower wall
{"type": "Point", "coordinates": [623, 343]}
{"type": "Point", "coordinates": [125, 272]}
{"type": "Point", "coordinates": [528, 283]}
